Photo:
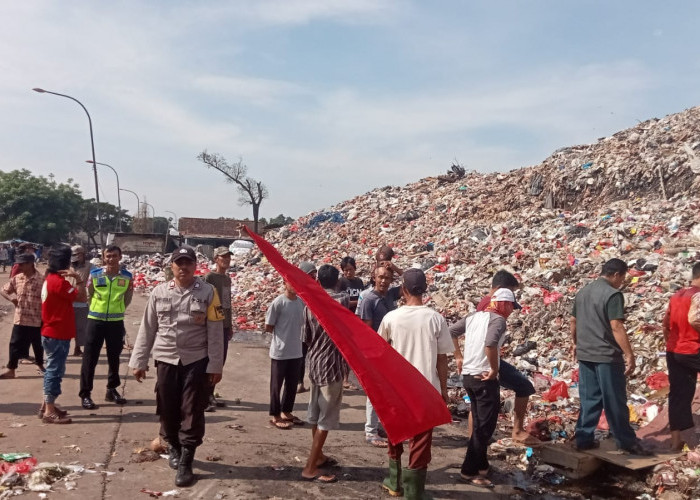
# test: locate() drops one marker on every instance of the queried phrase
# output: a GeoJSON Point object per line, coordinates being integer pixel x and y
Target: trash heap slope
{"type": "Point", "coordinates": [552, 224]}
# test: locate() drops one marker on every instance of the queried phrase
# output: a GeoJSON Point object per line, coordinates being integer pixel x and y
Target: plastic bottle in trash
{"type": "Point", "coordinates": [467, 402]}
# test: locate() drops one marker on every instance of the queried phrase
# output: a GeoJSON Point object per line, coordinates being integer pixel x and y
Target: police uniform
{"type": "Point", "coordinates": [183, 329]}
{"type": "Point", "coordinates": [105, 325]}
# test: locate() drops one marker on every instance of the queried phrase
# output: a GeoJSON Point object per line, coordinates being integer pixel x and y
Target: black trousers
{"type": "Point", "coordinates": [182, 395]}
{"type": "Point", "coordinates": [302, 368]}
{"type": "Point", "coordinates": [284, 371]}
{"type": "Point", "coordinates": [485, 397]}
{"type": "Point", "coordinates": [683, 372]}
{"type": "Point", "coordinates": [20, 340]}
{"type": "Point", "coordinates": [98, 333]}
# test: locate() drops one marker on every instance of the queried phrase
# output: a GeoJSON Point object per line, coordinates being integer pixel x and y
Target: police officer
{"type": "Point", "coordinates": [183, 327]}
{"type": "Point", "coordinates": [110, 290]}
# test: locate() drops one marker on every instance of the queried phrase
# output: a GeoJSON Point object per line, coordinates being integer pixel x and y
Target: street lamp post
{"type": "Point", "coordinates": [138, 202]}
{"type": "Point", "coordinates": [94, 165]}
{"type": "Point", "coordinates": [119, 199]}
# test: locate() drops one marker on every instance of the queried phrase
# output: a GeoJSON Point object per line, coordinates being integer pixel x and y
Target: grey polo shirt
{"type": "Point", "coordinates": [181, 326]}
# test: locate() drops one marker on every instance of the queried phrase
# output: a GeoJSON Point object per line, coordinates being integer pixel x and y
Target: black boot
{"type": "Point", "coordinates": [185, 476]}
{"type": "Point", "coordinates": [174, 456]}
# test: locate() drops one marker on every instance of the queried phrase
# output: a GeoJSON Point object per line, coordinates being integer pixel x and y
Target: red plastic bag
{"type": "Point", "coordinates": [558, 390]}
{"type": "Point", "coordinates": [657, 380]}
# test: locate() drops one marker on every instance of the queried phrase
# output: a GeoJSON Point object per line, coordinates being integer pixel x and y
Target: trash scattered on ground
{"type": "Point", "coordinates": [140, 455]}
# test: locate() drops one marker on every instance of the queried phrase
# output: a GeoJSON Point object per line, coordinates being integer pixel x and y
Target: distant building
{"type": "Point", "coordinates": [211, 233]}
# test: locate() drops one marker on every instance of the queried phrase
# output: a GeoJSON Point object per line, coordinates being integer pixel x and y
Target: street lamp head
{"type": "Point", "coordinates": [89, 161]}
{"type": "Point", "coordinates": [37, 89]}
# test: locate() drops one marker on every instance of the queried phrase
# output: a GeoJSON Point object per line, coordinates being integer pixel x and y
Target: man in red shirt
{"type": "Point", "coordinates": [682, 334]}
{"type": "Point", "coordinates": [57, 297]}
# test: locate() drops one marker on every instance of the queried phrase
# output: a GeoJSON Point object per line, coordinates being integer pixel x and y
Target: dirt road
{"type": "Point", "coordinates": [242, 455]}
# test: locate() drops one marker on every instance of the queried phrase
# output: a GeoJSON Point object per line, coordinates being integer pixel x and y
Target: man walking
{"type": "Point", "coordinates": [221, 281]}
{"type": "Point", "coordinates": [327, 368]}
{"type": "Point", "coordinates": [284, 320]}
{"type": "Point", "coordinates": [183, 327]}
{"type": "Point", "coordinates": [605, 358]}
{"type": "Point", "coordinates": [110, 290]}
{"type": "Point", "coordinates": [82, 267]}
{"type": "Point", "coordinates": [682, 334]}
{"type": "Point", "coordinates": [24, 291]}
{"type": "Point", "coordinates": [421, 336]}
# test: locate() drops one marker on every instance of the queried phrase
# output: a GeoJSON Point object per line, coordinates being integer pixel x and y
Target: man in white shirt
{"type": "Point", "coordinates": [421, 336]}
{"type": "Point", "coordinates": [485, 334]}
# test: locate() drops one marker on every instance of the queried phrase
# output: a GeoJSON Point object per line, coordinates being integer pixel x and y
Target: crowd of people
{"type": "Point", "coordinates": [187, 324]}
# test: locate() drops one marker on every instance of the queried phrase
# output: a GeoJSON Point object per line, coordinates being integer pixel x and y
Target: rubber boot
{"type": "Point", "coordinates": [185, 476]}
{"type": "Point", "coordinates": [392, 484]}
{"type": "Point", "coordinates": [174, 456]}
{"type": "Point", "coordinates": [414, 484]}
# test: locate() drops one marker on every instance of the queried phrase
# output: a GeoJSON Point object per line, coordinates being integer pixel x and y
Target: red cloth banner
{"type": "Point", "coordinates": [405, 402]}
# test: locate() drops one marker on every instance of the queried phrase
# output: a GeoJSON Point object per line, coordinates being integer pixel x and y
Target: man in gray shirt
{"type": "Point", "coordinates": [603, 349]}
{"type": "Point", "coordinates": [182, 327]}
{"type": "Point", "coordinates": [284, 320]}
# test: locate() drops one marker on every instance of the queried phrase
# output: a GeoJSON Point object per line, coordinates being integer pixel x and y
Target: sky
{"type": "Point", "coordinates": [324, 100]}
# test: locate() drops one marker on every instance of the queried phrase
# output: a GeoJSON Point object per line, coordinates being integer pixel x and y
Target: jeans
{"type": "Point", "coordinates": [56, 352]}
{"type": "Point", "coordinates": [602, 386]}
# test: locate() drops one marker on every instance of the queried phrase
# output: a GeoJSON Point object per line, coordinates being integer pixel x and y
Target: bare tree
{"type": "Point", "coordinates": [251, 192]}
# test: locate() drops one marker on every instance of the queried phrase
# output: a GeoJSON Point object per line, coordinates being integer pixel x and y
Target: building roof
{"type": "Point", "coordinates": [192, 227]}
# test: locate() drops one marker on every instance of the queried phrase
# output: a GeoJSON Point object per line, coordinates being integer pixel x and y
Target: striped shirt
{"type": "Point", "coordinates": [28, 292]}
{"type": "Point", "coordinates": [326, 364]}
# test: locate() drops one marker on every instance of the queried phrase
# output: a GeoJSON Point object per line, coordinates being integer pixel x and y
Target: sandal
{"type": "Point", "coordinates": [281, 424]}
{"type": "Point", "coordinates": [377, 442]}
{"type": "Point", "coordinates": [42, 409]}
{"type": "Point", "coordinates": [294, 420]}
{"type": "Point", "coordinates": [478, 481]}
{"type": "Point", "coordinates": [321, 478]}
{"type": "Point", "coordinates": [55, 418]}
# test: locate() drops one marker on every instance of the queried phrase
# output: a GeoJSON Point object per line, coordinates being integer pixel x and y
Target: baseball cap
{"type": "Point", "coordinates": [75, 251]}
{"type": "Point", "coordinates": [222, 251]}
{"type": "Point", "coordinates": [505, 295]}
{"type": "Point", "coordinates": [414, 281]}
{"type": "Point", "coordinates": [184, 252]}
{"type": "Point", "coordinates": [307, 267]}
{"type": "Point", "coordinates": [25, 258]}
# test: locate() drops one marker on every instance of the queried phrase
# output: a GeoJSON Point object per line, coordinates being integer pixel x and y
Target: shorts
{"type": "Point", "coordinates": [510, 378]}
{"type": "Point", "coordinates": [324, 407]}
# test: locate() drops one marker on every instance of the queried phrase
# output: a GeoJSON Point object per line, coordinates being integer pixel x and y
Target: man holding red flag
{"type": "Point", "coordinates": [421, 336]}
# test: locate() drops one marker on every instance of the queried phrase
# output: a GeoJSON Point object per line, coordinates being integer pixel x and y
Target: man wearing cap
{"type": "Point", "coordinates": [421, 336]}
{"type": "Point", "coordinates": [509, 376]}
{"type": "Point", "coordinates": [23, 248]}
{"type": "Point", "coordinates": [483, 338]}
{"type": "Point", "coordinates": [183, 327]}
{"type": "Point", "coordinates": [24, 291]}
{"type": "Point", "coordinates": [310, 269]}
{"type": "Point", "coordinates": [82, 267]}
{"type": "Point", "coordinates": [597, 326]}
{"type": "Point", "coordinates": [110, 290]}
{"type": "Point", "coordinates": [220, 280]}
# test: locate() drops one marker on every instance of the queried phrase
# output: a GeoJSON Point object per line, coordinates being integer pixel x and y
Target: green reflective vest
{"type": "Point", "coordinates": [107, 302]}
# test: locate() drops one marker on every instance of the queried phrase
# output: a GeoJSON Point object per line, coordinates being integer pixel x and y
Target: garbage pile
{"type": "Point", "coordinates": [20, 472]}
{"type": "Point", "coordinates": [632, 195]}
